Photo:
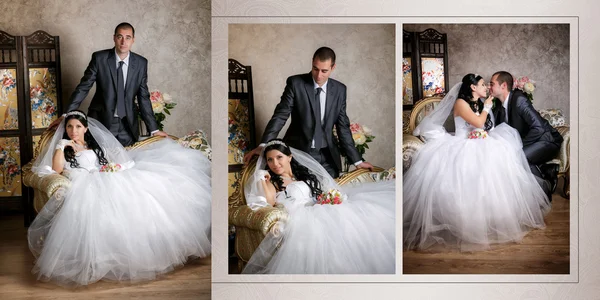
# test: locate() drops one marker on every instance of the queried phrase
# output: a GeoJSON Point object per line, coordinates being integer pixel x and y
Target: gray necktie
{"type": "Point", "coordinates": [318, 136]}
{"type": "Point", "coordinates": [120, 91]}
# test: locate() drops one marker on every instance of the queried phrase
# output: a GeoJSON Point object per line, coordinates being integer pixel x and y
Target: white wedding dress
{"type": "Point", "coordinates": [355, 237]}
{"type": "Point", "coordinates": [130, 225]}
{"type": "Point", "coordinates": [471, 193]}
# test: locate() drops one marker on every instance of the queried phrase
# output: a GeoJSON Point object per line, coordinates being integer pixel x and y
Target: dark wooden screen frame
{"type": "Point", "coordinates": [238, 75]}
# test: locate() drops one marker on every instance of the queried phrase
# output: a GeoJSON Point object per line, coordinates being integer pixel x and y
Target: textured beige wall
{"type": "Point", "coordinates": [173, 35]}
{"type": "Point", "coordinates": [365, 59]}
{"type": "Point", "coordinates": [539, 51]}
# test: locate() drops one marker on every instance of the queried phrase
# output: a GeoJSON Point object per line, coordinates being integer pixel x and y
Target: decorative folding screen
{"type": "Point", "coordinates": [242, 137]}
{"type": "Point", "coordinates": [424, 68]}
{"type": "Point", "coordinates": [30, 100]}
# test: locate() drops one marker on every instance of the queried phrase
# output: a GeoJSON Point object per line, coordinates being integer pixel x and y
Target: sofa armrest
{"type": "Point", "coordinates": [47, 184]}
{"type": "Point", "coordinates": [410, 145]}
{"type": "Point", "coordinates": [261, 219]}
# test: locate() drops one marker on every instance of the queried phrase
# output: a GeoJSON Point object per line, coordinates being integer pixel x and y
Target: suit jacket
{"type": "Point", "coordinates": [298, 100]}
{"type": "Point", "coordinates": [527, 121]}
{"type": "Point", "coordinates": [102, 70]}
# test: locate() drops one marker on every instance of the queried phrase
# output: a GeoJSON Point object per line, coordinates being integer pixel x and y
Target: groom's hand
{"type": "Point", "coordinates": [365, 165]}
{"type": "Point", "coordinates": [160, 133]}
{"type": "Point", "coordinates": [249, 155]}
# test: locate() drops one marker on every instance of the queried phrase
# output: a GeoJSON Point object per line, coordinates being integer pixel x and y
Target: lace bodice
{"type": "Point", "coordinates": [87, 160]}
{"type": "Point", "coordinates": [296, 194]}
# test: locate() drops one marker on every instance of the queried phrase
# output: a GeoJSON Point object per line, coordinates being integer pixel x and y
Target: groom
{"type": "Point", "coordinates": [316, 103]}
{"type": "Point", "coordinates": [120, 76]}
{"type": "Point", "coordinates": [541, 142]}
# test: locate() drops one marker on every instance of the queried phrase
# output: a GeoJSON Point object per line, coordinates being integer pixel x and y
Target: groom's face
{"type": "Point", "coordinates": [123, 40]}
{"type": "Point", "coordinates": [497, 89]}
{"type": "Point", "coordinates": [321, 70]}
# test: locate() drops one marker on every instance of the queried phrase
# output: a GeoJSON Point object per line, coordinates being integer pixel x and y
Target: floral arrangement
{"type": "Point", "coordinates": [332, 196]}
{"type": "Point", "coordinates": [161, 104]}
{"type": "Point", "coordinates": [526, 85]}
{"type": "Point", "coordinates": [478, 134]}
{"type": "Point", "coordinates": [362, 135]}
{"type": "Point", "coordinates": [110, 167]}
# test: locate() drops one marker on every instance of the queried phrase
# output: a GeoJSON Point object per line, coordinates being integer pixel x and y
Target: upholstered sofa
{"type": "Point", "coordinates": [251, 226]}
{"type": "Point", "coordinates": [411, 144]}
{"type": "Point", "coordinates": [46, 186]}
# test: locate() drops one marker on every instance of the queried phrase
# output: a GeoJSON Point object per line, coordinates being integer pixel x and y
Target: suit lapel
{"type": "Point", "coordinates": [331, 91]}
{"type": "Point", "coordinates": [511, 105]}
{"type": "Point", "coordinates": [112, 66]}
{"type": "Point", "coordinates": [310, 90]}
{"type": "Point", "coordinates": [131, 72]}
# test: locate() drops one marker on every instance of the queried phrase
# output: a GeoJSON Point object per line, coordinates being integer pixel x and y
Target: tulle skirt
{"type": "Point", "coordinates": [355, 237]}
{"type": "Point", "coordinates": [127, 226]}
{"type": "Point", "coordinates": [471, 193]}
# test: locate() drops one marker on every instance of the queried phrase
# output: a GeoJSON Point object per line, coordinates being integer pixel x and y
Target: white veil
{"type": "Point", "coordinates": [113, 150]}
{"type": "Point", "coordinates": [253, 189]}
{"type": "Point", "coordinates": [432, 126]}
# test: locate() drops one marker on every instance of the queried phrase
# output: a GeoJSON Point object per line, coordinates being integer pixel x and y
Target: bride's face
{"type": "Point", "coordinates": [278, 162]}
{"type": "Point", "coordinates": [76, 130]}
{"type": "Point", "coordinates": [480, 90]}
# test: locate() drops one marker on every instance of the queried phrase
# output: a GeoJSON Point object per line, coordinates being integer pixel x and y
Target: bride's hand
{"type": "Point", "coordinates": [488, 101]}
{"type": "Point", "coordinates": [64, 143]}
{"type": "Point", "coordinates": [263, 175]}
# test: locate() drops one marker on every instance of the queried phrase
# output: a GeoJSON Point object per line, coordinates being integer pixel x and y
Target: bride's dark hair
{"type": "Point", "coordinates": [87, 137]}
{"type": "Point", "coordinates": [299, 171]}
{"type": "Point", "coordinates": [466, 94]}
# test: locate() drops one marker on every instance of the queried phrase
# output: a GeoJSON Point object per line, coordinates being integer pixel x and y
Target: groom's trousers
{"type": "Point", "coordinates": [120, 130]}
{"type": "Point", "coordinates": [323, 156]}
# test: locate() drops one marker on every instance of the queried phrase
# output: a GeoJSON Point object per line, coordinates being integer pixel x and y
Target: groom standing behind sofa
{"type": "Point", "coordinates": [316, 103]}
{"type": "Point", "coordinates": [120, 76]}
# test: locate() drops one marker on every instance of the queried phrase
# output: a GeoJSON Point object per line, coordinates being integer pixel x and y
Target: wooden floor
{"type": "Point", "coordinates": [191, 281]}
{"type": "Point", "coordinates": [544, 251]}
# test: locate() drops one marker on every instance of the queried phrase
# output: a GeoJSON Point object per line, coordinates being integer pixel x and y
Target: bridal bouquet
{"type": "Point", "coordinates": [110, 167]}
{"type": "Point", "coordinates": [526, 85]}
{"type": "Point", "coordinates": [478, 134]}
{"type": "Point", "coordinates": [332, 196]}
{"type": "Point", "coordinates": [161, 104]}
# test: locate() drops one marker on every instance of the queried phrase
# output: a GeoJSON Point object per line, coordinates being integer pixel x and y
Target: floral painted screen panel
{"type": "Point", "coordinates": [10, 167]}
{"type": "Point", "coordinates": [407, 84]}
{"type": "Point", "coordinates": [239, 131]}
{"type": "Point", "coordinates": [432, 75]}
{"type": "Point", "coordinates": [8, 100]}
{"type": "Point", "coordinates": [42, 91]}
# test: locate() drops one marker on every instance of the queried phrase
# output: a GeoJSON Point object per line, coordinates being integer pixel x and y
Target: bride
{"type": "Point", "coordinates": [472, 189]}
{"type": "Point", "coordinates": [127, 215]}
{"type": "Point", "coordinates": [352, 237]}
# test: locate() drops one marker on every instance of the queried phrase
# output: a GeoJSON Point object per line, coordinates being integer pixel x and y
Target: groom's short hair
{"type": "Point", "coordinates": [503, 77]}
{"type": "Point", "coordinates": [125, 25]}
{"type": "Point", "coordinates": [325, 53]}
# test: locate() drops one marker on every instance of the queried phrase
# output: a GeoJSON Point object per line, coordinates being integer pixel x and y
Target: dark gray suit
{"type": "Point", "coordinates": [541, 141]}
{"type": "Point", "coordinates": [102, 70]}
{"type": "Point", "coordinates": [298, 100]}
